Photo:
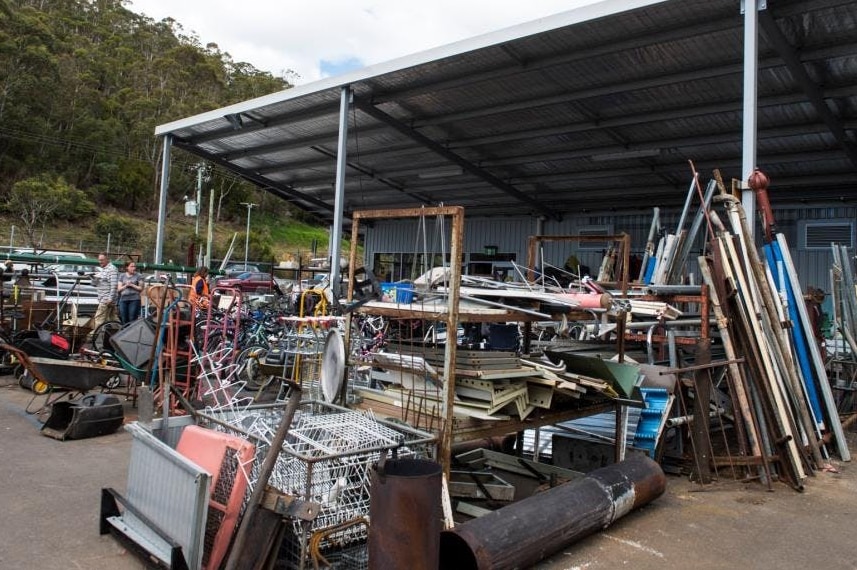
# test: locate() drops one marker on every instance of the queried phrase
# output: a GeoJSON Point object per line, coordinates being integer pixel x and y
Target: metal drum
{"type": "Point", "coordinates": [405, 515]}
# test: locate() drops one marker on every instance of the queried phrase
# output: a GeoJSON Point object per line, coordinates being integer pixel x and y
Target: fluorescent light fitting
{"type": "Point", "coordinates": [642, 153]}
{"type": "Point", "coordinates": [441, 173]}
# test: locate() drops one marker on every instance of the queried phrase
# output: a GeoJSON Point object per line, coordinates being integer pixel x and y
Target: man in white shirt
{"type": "Point", "coordinates": [105, 280]}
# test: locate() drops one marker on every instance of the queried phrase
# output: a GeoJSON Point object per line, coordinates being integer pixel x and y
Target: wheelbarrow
{"type": "Point", "coordinates": [68, 378]}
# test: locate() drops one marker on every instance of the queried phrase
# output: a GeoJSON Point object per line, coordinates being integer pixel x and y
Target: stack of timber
{"type": "Point", "coordinates": [777, 379]}
{"type": "Point", "coordinates": [490, 386]}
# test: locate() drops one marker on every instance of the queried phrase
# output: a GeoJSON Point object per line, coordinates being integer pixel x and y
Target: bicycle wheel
{"type": "Point", "coordinates": [100, 340]}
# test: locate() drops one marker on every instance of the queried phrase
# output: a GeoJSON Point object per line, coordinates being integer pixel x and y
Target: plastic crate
{"type": "Point", "coordinates": [397, 292]}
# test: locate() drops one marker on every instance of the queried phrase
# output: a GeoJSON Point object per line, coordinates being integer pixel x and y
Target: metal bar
{"type": "Point", "coordinates": [705, 366]}
{"type": "Point", "coordinates": [701, 405]}
{"type": "Point", "coordinates": [264, 474]}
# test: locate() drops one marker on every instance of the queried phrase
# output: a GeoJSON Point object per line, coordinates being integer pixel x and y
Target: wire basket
{"type": "Point", "coordinates": [326, 459]}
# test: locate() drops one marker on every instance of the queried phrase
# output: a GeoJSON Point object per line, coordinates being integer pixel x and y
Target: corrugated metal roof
{"type": "Point", "coordinates": [601, 106]}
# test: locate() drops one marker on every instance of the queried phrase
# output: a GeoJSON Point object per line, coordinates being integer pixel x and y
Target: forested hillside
{"type": "Point", "coordinates": [83, 83]}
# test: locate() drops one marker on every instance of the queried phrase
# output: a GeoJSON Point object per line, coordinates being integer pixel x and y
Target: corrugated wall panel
{"type": "Point", "coordinates": [813, 267]}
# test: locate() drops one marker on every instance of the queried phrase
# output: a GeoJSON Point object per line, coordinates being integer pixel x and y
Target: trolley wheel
{"type": "Point", "coordinates": [249, 367]}
{"type": "Point", "coordinates": [40, 387]}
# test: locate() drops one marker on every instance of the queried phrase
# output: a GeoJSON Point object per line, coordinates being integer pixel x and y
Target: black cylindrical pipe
{"type": "Point", "coordinates": [521, 534]}
{"type": "Point", "coordinates": [405, 515]}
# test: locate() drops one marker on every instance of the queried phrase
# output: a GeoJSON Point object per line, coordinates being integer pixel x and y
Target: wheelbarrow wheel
{"type": "Point", "coordinates": [113, 382]}
{"type": "Point", "coordinates": [28, 382]}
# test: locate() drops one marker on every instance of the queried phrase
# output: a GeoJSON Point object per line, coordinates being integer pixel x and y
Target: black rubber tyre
{"type": "Point", "coordinates": [100, 340]}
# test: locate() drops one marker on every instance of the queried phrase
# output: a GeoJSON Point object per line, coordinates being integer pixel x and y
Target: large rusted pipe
{"type": "Point", "coordinates": [521, 534]}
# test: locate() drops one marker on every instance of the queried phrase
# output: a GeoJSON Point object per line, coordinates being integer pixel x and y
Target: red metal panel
{"type": "Point", "coordinates": [227, 458]}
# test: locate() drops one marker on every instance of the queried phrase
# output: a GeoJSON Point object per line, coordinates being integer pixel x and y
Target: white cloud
{"type": "Point", "coordinates": [289, 35]}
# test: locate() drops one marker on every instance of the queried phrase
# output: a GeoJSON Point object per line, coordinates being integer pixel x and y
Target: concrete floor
{"type": "Point", "coordinates": [50, 492]}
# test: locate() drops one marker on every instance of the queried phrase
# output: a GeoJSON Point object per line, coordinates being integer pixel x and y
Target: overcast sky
{"type": "Point", "coordinates": [320, 38]}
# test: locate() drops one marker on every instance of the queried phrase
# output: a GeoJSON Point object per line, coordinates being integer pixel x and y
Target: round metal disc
{"type": "Point", "coordinates": [332, 366]}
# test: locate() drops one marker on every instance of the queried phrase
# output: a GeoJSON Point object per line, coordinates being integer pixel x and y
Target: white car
{"type": "Point", "coordinates": [49, 255]}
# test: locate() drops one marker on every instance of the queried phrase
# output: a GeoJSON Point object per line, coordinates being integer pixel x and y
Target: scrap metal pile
{"type": "Point", "coordinates": [782, 404]}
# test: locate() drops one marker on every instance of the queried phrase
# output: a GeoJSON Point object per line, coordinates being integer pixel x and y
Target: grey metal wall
{"type": "Point", "coordinates": [511, 234]}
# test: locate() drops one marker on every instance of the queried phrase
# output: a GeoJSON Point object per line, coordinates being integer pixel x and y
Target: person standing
{"type": "Point", "coordinates": [106, 282]}
{"type": "Point", "coordinates": [130, 286]}
{"type": "Point", "coordinates": [199, 292]}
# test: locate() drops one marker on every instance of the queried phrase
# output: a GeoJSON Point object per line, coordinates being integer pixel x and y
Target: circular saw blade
{"type": "Point", "coordinates": [332, 366]}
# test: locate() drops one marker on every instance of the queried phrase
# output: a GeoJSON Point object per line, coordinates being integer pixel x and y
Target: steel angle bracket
{"type": "Point", "coordinates": [291, 506]}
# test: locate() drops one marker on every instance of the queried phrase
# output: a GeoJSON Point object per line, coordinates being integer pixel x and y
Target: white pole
{"type": "Point", "coordinates": [12, 239]}
{"type": "Point", "coordinates": [345, 99]}
{"type": "Point", "coordinates": [751, 69]}
{"type": "Point", "coordinates": [210, 236]}
{"type": "Point", "coordinates": [250, 206]}
{"type": "Point", "coordinates": [162, 210]}
{"type": "Point", "coordinates": [199, 170]}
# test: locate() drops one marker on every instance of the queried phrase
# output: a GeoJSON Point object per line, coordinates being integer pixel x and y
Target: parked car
{"type": "Point", "coordinates": [236, 269]}
{"type": "Point", "coordinates": [49, 256]}
{"type": "Point", "coordinates": [248, 282]}
{"type": "Point", "coordinates": [67, 270]}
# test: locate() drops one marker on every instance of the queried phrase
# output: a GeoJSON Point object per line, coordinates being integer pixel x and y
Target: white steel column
{"type": "Point", "coordinates": [339, 200]}
{"type": "Point", "coordinates": [162, 201]}
{"type": "Point", "coordinates": [751, 70]}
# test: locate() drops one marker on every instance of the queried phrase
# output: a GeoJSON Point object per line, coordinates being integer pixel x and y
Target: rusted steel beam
{"type": "Point", "coordinates": [521, 534]}
{"type": "Point", "coordinates": [695, 367]}
{"type": "Point", "coordinates": [623, 239]}
{"type": "Point", "coordinates": [742, 460]}
{"type": "Point", "coordinates": [701, 405]}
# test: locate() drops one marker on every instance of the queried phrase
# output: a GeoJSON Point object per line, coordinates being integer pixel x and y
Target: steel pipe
{"type": "Point", "coordinates": [521, 534]}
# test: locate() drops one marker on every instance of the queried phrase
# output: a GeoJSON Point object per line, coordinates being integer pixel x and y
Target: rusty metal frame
{"type": "Point", "coordinates": [623, 239]}
{"type": "Point", "coordinates": [456, 240]}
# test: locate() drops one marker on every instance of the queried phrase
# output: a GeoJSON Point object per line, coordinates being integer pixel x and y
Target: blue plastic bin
{"type": "Point", "coordinates": [397, 292]}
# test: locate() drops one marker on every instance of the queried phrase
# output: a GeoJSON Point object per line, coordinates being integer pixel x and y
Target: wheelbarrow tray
{"type": "Point", "coordinates": [78, 375]}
